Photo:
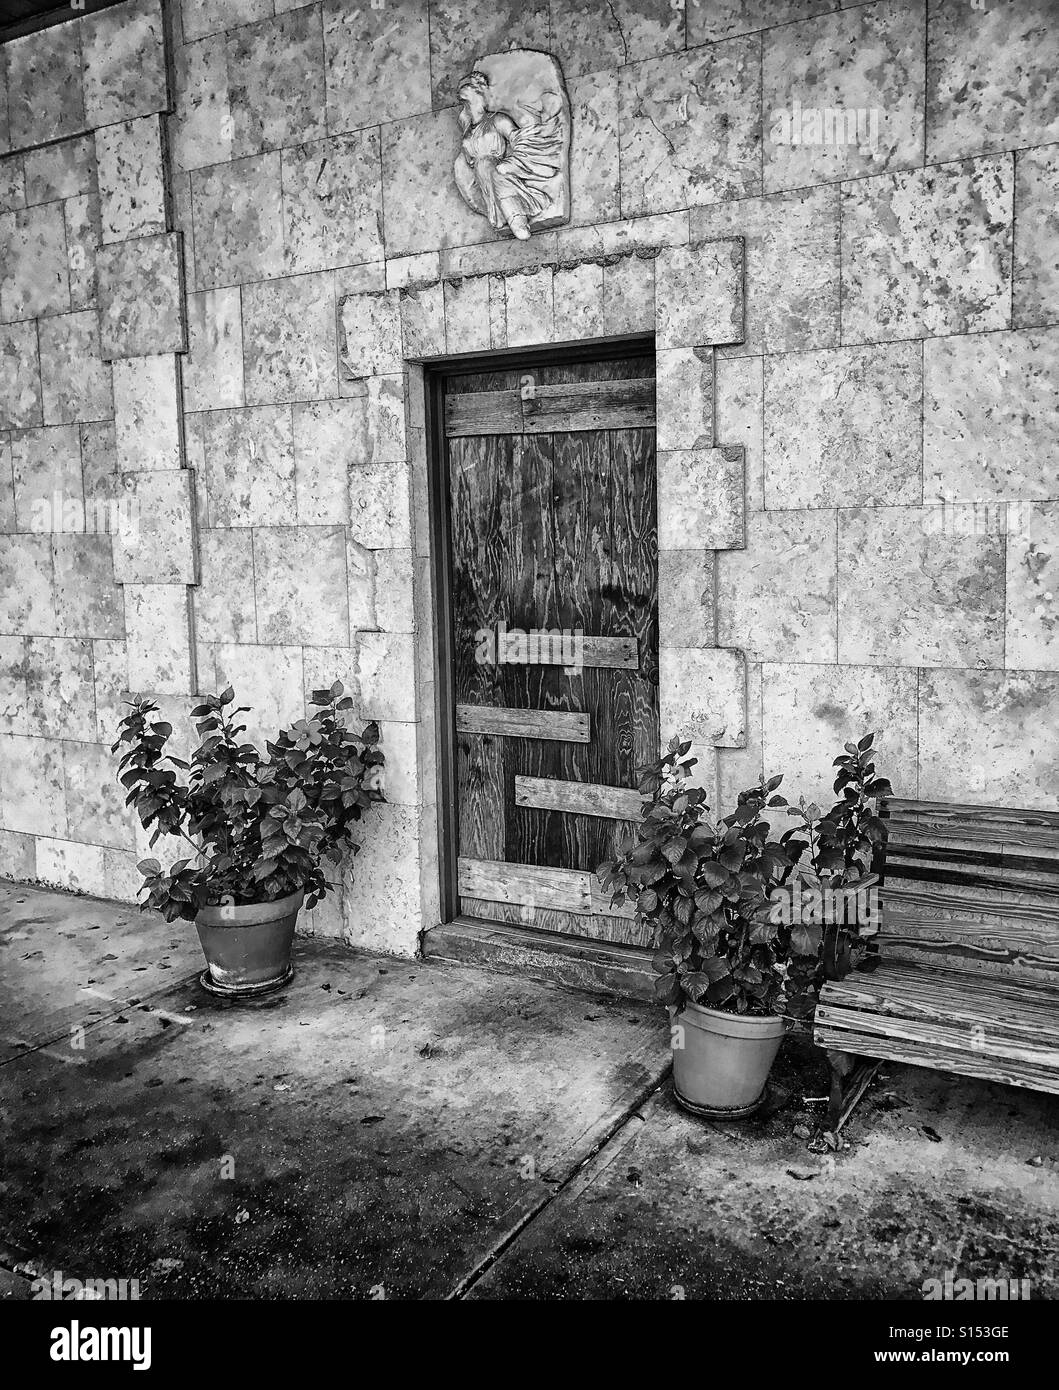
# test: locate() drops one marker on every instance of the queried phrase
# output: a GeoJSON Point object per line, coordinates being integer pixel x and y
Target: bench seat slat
{"type": "Point", "coordinates": [940, 1058]}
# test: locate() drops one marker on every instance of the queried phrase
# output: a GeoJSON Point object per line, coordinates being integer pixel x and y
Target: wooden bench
{"type": "Point", "coordinates": [969, 945]}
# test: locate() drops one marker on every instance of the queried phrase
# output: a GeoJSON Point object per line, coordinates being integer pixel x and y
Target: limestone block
{"type": "Point", "coordinates": [71, 866]}
{"type": "Point", "coordinates": [12, 183]}
{"type": "Point", "coordinates": [689, 128]}
{"type": "Point", "coordinates": [792, 278]}
{"type": "Point", "coordinates": [400, 774]}
{"type": "Point", "coordinates": [394, 604]}
{"type": "Point", "coordinates": [44, 89]}
{"type": "Point", "coordinates": [131, 179]}
{"type": "Point", "coordinates": [700, 499]}
{"type": "Point", "coordinates": [621, 237]}
{"type": "Point", "coordinates": [224, 600]}
{"type": "Point", "coordinates": [737, 769]}
{"type": "Point", "coordinates": [332, 202]}
{"type": "Point", "coordinates": [976, 60]}
{"type": "Point", "coordinates": [702, 695]}
{"type": "Point", "coordinates": [121, 878]}
{"type": "Point", "coordinates": [386, 671]}
{"type": "Point", "coordinates": [777, 597]}
{"type": "Point", "coordinates": [81, 219]}
{"type": "Point", "coordinates": [1036, 291]}
{"type": "Point", "coordinates": [740, 411]}
{"type": "Point", "coordinates": [530, 308]}
{"type": "Point", "coordinates": [141, 297]}
{"type": "Point", "coordinates": [33, 268]}
{"type": "Point", "coordinates": [66, 169]}
{"type": "Point", "coordinates": [103, 483]}
{"type": "Point", "coordinates": [269, 680]}
{"type": "Point", "coordinates": [238, 213]}
{"type": "Point", "coordinates": [866, 64]}
{"type": "Point", "coordinates": [7, 486]}
{"type": "Point", "coordinates": [377, 63]}
{"type": "Point", "coordinates": [75, 378]}
{"type": "Point", "coordinates": [629, 295]}
{"type": "Point", "coordinates": [413, 272]}
{"type": "Point", "coordinates": [88, 601]}
{"type": "Point", "coordinates": [60, 701]}
{"type": "Point", "coordinates": [594, 119]}
{"type": "Point", "coordinates": [684, 398]}
{"type": "Point", "coordinates": [990, 738]}
{"type": "Point", "coordinates": [699, 294]}
{"type": "Point", "coordinates": [20, 395]}
{"type": "Point", "coordinates": [18, 856]}
{"type": "Point", "coordinates": [500, 257]}
{"type": "Point", "coordinates": [810, 711]}
{"type": "Point", "coordinates": [382, 901]}
{"type": "Point", "coordinates": [289, 339]}
{"type": "Point", "coordinates": [919, 587]}
{"type": "Point", "coordinates": [335, 439]}
{"type": "Point", "coordinates": [250, 466]}
{"type": "Point", "coordinates": [991, 416]}
{"type": "Point", "coordinates": [14, 716]}
{"type": "Point", "coordinates": [423, 209]}
{"type": "Point", "coordinates": [927, 252]}
{"type": "Point", "coordinates": [300, 588]}
{"type": "Point", "coordinates": [200, 129]}
{"type": "Point", "coordinates": [721, 19]}
{"type": "Point", "coordinates": [369, 335]}
{"type": "Point", "coordinates": [842, 426]}
{"type": "Point", "coordinates": [588, 39]}
{"type": "Point", "coordinates": [123, 56]}
{"type": "Point", "coordinates": [27, 587]}
{"type": "Point", "coordinates": [1032, 632]}
{"type": "Point", "coordinates": [95, 799]}
{"type": "Point", "coordinates": [423, 321]}
{"type": "Point", "coordinates": [578, 297]}
{"type": "Point", "coordinates": [380, 506]}
{"type": "Point", "coordinates": [213, 367]}
{"type": "Point", "coordinates": [467, 314]}
{"type": "Point", "coordinates": [46, 468]}
{"type": "Point", "coordinates": [155, 542]}
{"type": "Point", "coordinates": [686, 598]}
{"type": "Point", "coordinates": [146, 414]}
{"type": "Point", "coordinates": [33, 794]}
{"type": "Point", "coordinates": [158, 626]}
{"type": "Point", "coordinates": [276, 82]}
{"type": "Point", "coordinates": [111, 667]}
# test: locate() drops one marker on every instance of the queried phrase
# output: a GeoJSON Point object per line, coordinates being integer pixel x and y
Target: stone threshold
{"type": "Point", "coordinates": [603, 967]}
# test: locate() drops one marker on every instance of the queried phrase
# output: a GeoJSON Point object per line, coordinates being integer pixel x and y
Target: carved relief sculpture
{"type": "Point", "coordinates": [514, 161]}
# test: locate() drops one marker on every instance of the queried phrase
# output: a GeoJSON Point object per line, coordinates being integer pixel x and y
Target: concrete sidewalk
{"type": "Point", "coordinates": [391, 1128]}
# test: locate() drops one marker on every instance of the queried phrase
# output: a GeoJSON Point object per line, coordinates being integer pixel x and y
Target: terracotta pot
{"type": "Point", "coordinates": [248, 947]}
{"type": "Point", "coordinates": [721, 1061]}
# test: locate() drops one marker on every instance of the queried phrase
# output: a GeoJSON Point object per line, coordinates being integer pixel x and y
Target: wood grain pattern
{"type": "Point", "coordinates": [532, 884]}
{"type": "Point", "coordinates": [556, 725]}
{"type": "Point", "coordinates": [578, 798]}
{"type": "Point", "coordinates": [535, 408]}
{"type": "Point", "coordinates": [483, 412]}
{"type": "Point", "coordinates": [515, 646]}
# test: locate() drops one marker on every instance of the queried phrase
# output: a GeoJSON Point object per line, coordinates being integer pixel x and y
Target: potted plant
{"type": "Point", "coordinates": [260, 827]}
{"type": "Point", "coordinates": [737, 954]}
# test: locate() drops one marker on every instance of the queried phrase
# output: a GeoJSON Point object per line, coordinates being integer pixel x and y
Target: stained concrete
{"type": "Point", "coordinates": [408, 1129]}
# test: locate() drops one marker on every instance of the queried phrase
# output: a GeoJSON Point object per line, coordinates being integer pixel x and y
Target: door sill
{"type": "Point", "coordinates": [602, 967]}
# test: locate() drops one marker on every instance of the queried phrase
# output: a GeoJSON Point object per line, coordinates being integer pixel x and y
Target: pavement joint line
{"type": "Point", "coordinates": [141, 1003]}
{"type": "Point", "coordinates": [629, 1113]}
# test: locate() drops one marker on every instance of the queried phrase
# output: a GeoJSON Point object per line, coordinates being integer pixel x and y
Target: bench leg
{"type": "Point", "coordinates": [850, 1077]}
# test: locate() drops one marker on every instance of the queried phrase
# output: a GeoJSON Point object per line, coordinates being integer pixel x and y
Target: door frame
{"type": "Point", "coordinates": [435, 371]}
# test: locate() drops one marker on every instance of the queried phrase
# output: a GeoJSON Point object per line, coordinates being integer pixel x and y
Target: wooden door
{"type": "Point", "coordinates": [554, 578]}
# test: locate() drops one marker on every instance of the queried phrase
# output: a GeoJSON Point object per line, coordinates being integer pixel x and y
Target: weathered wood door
{"type": "Point", "coordinates": [554, 567]}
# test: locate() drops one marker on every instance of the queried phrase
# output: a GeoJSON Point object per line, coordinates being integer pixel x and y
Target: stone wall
{"type": "Point", "coordinates": [858, 483]}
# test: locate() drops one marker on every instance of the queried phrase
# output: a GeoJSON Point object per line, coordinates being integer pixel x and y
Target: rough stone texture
{"type": "Point", "coordinates": [778, 596]}
{"type": "Point", "coordinates": [927, 252]}
{"type": "Point", "coordinates": [158, 546]}
{"type": "Point", "coordinates": [977, 59]}
{"type": "Point", "coordinates": [238, 221]}
{"type": "Point", "coordinates": [157, 622]}
{"type": "Point", "coordinates": [213, 367]}
{"type": "Point", "coordinates": [462, 29]}
{"type": "Point", "coordinates": [842, 427]}
{"type": "Point", "coordinates": [1036, 236]}
{"type": "Point", "coordinates": [276, 82]}
{"type": "Point", "coordinates": [1032, 630]}
{"type": "Point", "coordinates": [377, 62]}
{"type": "Point", "coordinates": [76, 381]}
{"type": "Point", "coordinates": [699, 294]}
{"type": "Point", "coordinates": [422, 211]}
{"type": "Point", "coordinates": [146, 413]}
{"type": "Point", "coordinates": [20, 393]}
{"type": "Point", "coordinates": [250, 467]}
{"type": "Point", "coordinates": [975, 446]}
{"type": "Point", "coordinates": [62, 170]}
{"type": "Point", "coordinates": [810, 711]}
{"type": "Point", "coordinates": [702, 694]}
{"type": "Point", "coordinates": [989, 737]}
{"type": "Point", "coordinates": [332, 203]}
{"type": "Point", "coordinates": [34, 279]}
{"type": "Point", "coordinates": [369, 335]}
{"type": "Point", "coordinates": [700, 499]}
{"type": "Point", "coordinates": [204, 17]}
{"type": "Point", "coordinates": [131, 179]}
{"type": "Point", "coordinates": [141, 299]}
{"type": "Point", "coordinates": [333, 440]}
{"type": "Point", "coordinates": [301, 585]}
{"type": "Point", "coordinates": [594, 117]}
{"type": "Point", "coordinates": [44, 88]}
{"type": "Point", "coordinates": [792, 266]}
{"type": "Point", "coordinates": [865, 63]}
{"type": "Point", "coordinates": [88, 602]}
{"type": "Point", "coordinates": [81, 217]}
{"type": "Point", "coordinates": [289, 339]}
{"type": "Point", "coordinates": [200, 130]}
{"type": "Point", "coordinates": [684, 398]}
{"type": "Point", "coordinates": [124, 63]}
{"type": "Point", "coordinates": [902, 572]}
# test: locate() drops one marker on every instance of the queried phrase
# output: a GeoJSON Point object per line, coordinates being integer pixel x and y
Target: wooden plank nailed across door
{"type": "Point", "coordinates": [539, 409]}
{"type": "Point", "coordinates": [559, 726]}
{"type": "Point", "coordinates": [578, 798]}
{"type": "Point", "coordinates": [537, 886]}
{"type": "Point", "coordinates": [537, 647]}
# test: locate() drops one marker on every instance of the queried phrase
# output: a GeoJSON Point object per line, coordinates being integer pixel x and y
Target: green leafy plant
{"type": "Point", "coordinates": [715, 891]}
{"type": "Point", "coordinates": [259, 827]}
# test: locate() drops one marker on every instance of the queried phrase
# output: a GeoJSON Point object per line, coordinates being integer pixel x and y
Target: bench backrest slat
{"type": "Point", "coordinates": [972, 888]}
